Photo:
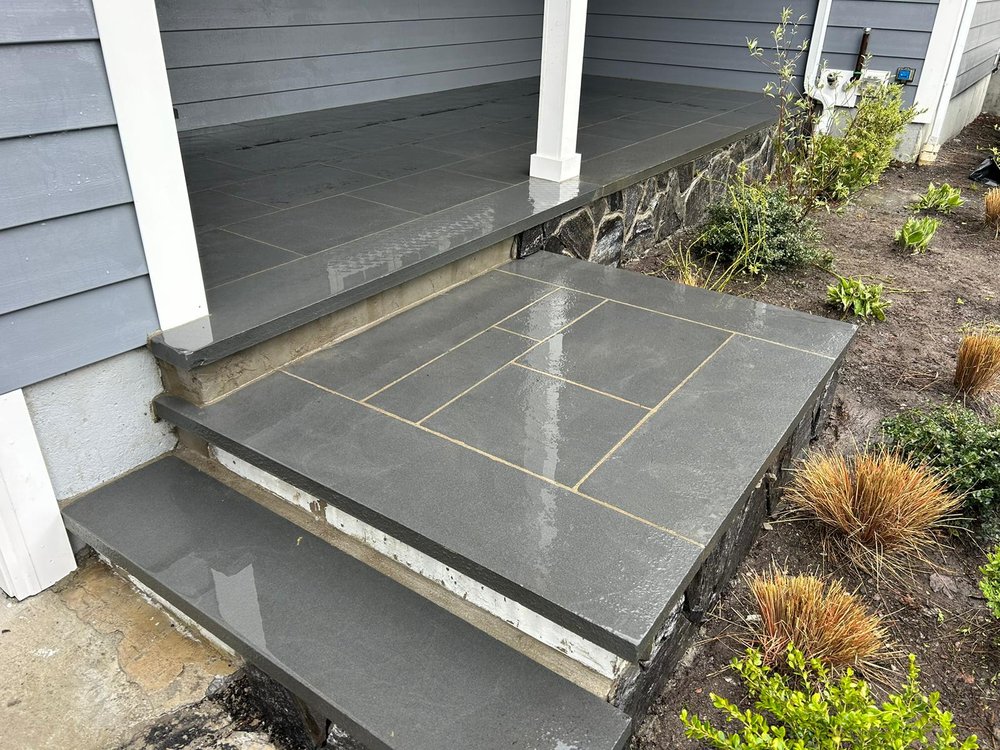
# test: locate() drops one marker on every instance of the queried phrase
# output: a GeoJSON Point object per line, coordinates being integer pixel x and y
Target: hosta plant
{"type": "Point", "coordinates": [916, 234]}
{"type": "Point", "coordinates": [807, 707]}
{"type": "Point", "coordinates": [941, 198]}
{"type": "Point", "coordinates": [854, 296]}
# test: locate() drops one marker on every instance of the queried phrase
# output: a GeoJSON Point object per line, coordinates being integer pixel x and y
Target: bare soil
{"type": "Point", "coordinates": [908, 360]}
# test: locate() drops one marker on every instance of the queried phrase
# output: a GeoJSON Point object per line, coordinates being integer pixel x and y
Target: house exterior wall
{"type": "Point", "coordinates": [242, 59]}
{"type": "Point", "coordinates": [901, 33]}
{"type": "Point", "coordinates": [677, 41]}
{"type": "Point", "coordinates": [73, 282]}
{"type": "Point", "coordinates": [981, 47]}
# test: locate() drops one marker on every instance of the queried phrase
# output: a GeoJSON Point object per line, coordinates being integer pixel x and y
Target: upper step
{"type": "Point", "coordinates": [392, 668]}
{"type": "Point", "coordinates": [571, 436]}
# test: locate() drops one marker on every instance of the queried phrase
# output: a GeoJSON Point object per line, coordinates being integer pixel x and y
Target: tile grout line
{"type": "Point", "coordinates": [534, 346]}
{"type": "Point", "coordinates": [515, 333]}
{"type": "Point", "coordinates": [456, 346]}
{"type": "Point", "coordinates": [581, 385]}
{"type": "Point", "coordinates": [498, 459]}
{"type": "Point", "coordinates": [672, 315]}
{"type": "Point", "coordinates": [649, 415]}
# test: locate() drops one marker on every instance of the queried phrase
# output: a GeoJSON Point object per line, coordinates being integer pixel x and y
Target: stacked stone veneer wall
{"type": "Point", "coordinates": [624, 225]}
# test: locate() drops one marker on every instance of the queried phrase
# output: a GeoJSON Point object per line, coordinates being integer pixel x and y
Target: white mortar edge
{"type": "Point", "coordinates": [540, 628]}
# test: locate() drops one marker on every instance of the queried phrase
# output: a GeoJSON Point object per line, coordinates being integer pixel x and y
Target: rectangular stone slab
{"type": "Point", "coordinates": [385, 663]}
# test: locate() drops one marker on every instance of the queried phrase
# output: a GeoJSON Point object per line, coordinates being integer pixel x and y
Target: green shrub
{"type": "Point", "coordinates": [841, 165]}
{"type": "Point", "coordinates": [961, 445]}
{"type": "Point", "coordinates": [916, 234]}
{"type": "Point", "coordinates": [852, 295]}
{"type": "Point", "coordinates": [810, 709]}
{"type": "Point", "coordinates": [990, 582]}
{"type": "Point", "coordinates": [941, 198]}
{"type": "Point", "coordinates": [758, 229]}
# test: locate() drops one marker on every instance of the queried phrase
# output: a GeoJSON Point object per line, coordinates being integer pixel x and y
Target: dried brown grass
{"type": "Point", "coordinates": [821, 618]}
{"type": "Point", "coordinates": [887, 511]}
{"type": "Point", "coordinates": [978, 368]}
{"type": "Point", "coordinates": [991, 203]}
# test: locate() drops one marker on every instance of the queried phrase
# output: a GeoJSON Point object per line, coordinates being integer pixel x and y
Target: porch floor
{"type": "Point", "coordinates": [575, 437]}
{"type": "Point", "coordinates": [301, 215]}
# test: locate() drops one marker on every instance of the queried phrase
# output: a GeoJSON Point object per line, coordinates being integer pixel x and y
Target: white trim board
{"type": "Point", "coordinates": [137, 74]}
{"type": "Point", "coordinates": [34, 548]}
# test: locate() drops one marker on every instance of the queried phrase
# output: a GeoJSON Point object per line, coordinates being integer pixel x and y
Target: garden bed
{"type": "Point", "coordinates": [906, 361]}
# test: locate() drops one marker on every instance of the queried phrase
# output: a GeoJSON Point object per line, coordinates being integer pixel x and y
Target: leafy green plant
{"type": "Point", "coordinates": [811, 709]}
{"type": "Point", "coordinates": [916, 234]}
{"type": "Point", "coordinates": [757, 229]}
{"type": "Point", "coordinates": [852, 295]}
{"type": "Point", "coordinates": [941, 198]}
{"type": "Point", "coordinates": [989, 584]}
{"type": "Point", "coordinates": [960, 444]}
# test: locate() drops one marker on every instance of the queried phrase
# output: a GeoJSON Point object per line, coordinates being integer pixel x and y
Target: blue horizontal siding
{"type": "Point", "coordinates": [74, 286]}
{"type": "Point", "coordinates": [981, 46]}
{"type": "Point", "coordinates": [237, 60]}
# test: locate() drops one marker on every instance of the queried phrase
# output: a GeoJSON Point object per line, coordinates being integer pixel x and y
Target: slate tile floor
{"type": "Point", "coordinates": [349, 198]}
{"type": "Point", "coordinates": [583, 433]}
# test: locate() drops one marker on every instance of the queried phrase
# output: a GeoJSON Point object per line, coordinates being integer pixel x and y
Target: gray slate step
{"type": "Point", "coordinates": [392, 668]}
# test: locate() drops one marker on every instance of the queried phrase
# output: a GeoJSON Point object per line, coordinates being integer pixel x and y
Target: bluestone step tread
{"type": "Point", "coordinates": [387, 664]}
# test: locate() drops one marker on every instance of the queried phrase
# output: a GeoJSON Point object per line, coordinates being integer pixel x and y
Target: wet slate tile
{"type": "Point", "coordinates": [630, 353]}
{"type": "Point", "coordinates": [427, 389]}
{"type": "Point", "coordinates": [392, 163]}
{"type": "Point", "coordinates": [623, 129]}
{"type": "Point", "coordinates": [274, 157]}
{"type": "Point", "coordinates": [510, 165]}
{"type": "Point", "coordinates": [608, 108]}
{"type": "Point", "coordinates": [322, 224]}
{"type": "Point", "coordinates": [239, 570]}
{"type": "Point", "coordinates": [550, 427]}
{"type": "Point", "coordinates": [226, 257]}
{"type": "Point", "coordinates": [361, 365]}
{"type": "Point", "coordinates": [446, 500]}
{"type": "Point", "coordinates": [202, 174]}
{"type": "Point", "coordinates": [779, 324]}
{"type": "Point", "coordinates": [211, 209]}
{"type": "Point", "coordinates": [590, 145]}
{"type": "Point", "coordinates": [673, 115]}
{"type": "Point", "coordinates": [692, 462]}
{"type": "Point", "coordinates": [449, 121]}
{"type": "Point", "coordinates": [527, 127]}
{"type": "Point", "coordinates": [294, 187]}
{"type": "Point", "coordinates": [430, 191]}
{"type": "Point", "coordinates": [551, 313]}
{"type": "Point", "coordinates": [370, 138]}
{"type": "Point", "coordinates": [476, 142]}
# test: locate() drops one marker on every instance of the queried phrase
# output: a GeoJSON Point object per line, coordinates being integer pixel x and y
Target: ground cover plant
{"type": "Point", "coordinates": [818, 617]}
{"type": "Point", "coordinates": [978, 368]}
{"type": "Point", "coordinates": [990, 582]}
{"type": "Point", "coordinates": [963, 446]}
{"type": "Point", "coordinates": [916, 233]}
{"type": "Point", "coordinates": [809, 707]}
{"type": "Point", "coordinates": [941, 198]}
{"type": "Point", "coordinates": [854, 296]}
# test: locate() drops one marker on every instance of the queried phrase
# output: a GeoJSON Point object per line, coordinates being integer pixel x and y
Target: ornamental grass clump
{"type": "Point", "coordinates": [819, 618]}
{"type": "Point", "coordinates": [804, 706]}
{"type": "Point", "coordinates": [978, 368]}
{"type": "Point", "coordinates": [885, 509]}
{"type": "Point", "coordinates": [991, 203]}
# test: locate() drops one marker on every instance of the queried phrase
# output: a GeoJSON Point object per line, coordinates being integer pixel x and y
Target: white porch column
{"type": "Point", "coordinates": [564, 29]}
{"type": "Point", "coordinates": [34, 549]}
{"type": "Point", "coordinates": [133, 57]}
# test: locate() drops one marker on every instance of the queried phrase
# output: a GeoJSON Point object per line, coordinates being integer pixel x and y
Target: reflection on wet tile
{"type": "Point", "coordinates": [272, 157]}
{"type": "Point", "coordinates": [226, 257]}
{"type": "Point", "coordinates": [551, 427]}
{"type": "Point", "coordinates": [633, 354]}
{"type": "Point", "coordinates": [391, 163]}
{"type": "Point", "coordinates": [293, 187]}
{"type": "Point", "coordinates": [430, 191]}
{"type": "Point", "coordinates": [551, 313]}
{"type": "Point", "coordinates": [421, 392]}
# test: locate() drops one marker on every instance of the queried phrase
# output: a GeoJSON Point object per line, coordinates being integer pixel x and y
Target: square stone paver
{"type": "Point", "coordinates": [548, 426]}
{"type": "Point", "coordinates": [630, 353]}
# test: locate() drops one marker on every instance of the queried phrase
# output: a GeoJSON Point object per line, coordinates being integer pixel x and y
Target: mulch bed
{"type": "Point", "coordinates": [908, 360]}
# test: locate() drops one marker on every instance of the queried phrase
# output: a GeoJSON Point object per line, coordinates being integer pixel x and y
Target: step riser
{"type": "Point", "coordinates": [211, 382]}
{"type": "Point", "coordinates": [524, 619]}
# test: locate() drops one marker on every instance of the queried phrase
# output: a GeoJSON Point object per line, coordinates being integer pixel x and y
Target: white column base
{"type": "Point", "coordinates": [556, 170]}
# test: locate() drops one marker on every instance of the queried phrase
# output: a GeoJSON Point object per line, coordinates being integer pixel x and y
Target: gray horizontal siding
{"type": "Point", "coordinates": [50, 87]}
{"type": "Point", "coordinates": [901, 31]}
{"type": "Point", "coordinates": [237, 60]}
{"type": "Point", "coordinates": [71, 332]}
{"type": "Point", "coordinates": [980, 47]}
{"type": "Point", "coordinates": [74, 287]}
{"type": "Point", "coordinates": [676, 41]}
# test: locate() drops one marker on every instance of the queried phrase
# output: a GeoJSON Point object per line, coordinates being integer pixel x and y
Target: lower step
{"type": "Point", "coordinates": [384, 663]}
